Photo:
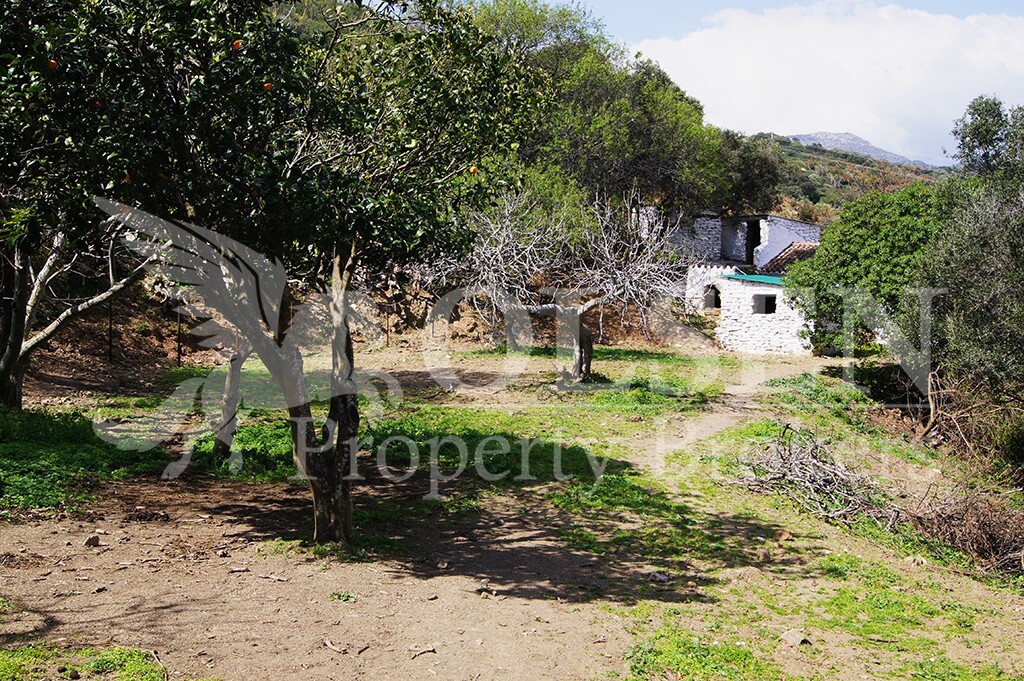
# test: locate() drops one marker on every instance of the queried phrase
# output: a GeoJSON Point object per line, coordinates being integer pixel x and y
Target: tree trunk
{"type": "Point", "coordinates": [323, 459]}
{"type": "Point", "coordinates": [582, 350]}
{"type": "Point", "coordinates": [335, 516]}
{"type": "Point", "coordinates": [332, 492]}
{"type": "Point", "coordinates": [14, 295]}
{"type": "Point", "coordinates": [11, 387]}
{"type": "Point", "coordinates": [225, 434]}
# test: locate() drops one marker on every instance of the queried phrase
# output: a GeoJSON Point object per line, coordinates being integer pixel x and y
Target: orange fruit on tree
{"type": "Point", "coordinates": [474, 170]}
{"type": "Point", "coordinates": [268, 86]}
{"type": "Point", "coordinates": [52, 64]}
{"type": "Point", "coordinates": [236, 45]}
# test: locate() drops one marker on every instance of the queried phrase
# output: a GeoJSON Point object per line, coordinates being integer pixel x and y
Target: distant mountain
{"type": "Point", "coordinates": [817, 181]}
{"type": "Point", "coordinates": [845, 141]}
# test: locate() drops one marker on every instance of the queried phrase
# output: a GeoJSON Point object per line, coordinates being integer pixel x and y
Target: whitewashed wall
{"type": "Point", "coordinates": [740, 330]}
{"type": "Point", "coordinates": [702, 238]}
{"type": "Point", "coordinates": [698, 279]}
{"type": "Point", "coordinates": [778, 233]}
{"type": "Point", "coordinates": [734, 240]}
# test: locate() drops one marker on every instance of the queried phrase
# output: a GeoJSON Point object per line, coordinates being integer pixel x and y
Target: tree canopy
{"type": "Point", "coordinates": [876, 245]}
{"type": "Point", "coordinates": [620, 126]}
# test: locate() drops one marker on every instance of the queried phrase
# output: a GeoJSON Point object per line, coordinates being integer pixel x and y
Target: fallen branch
{"type": "Point", "coordinates": [977, 523]}
{"type": "Point", "coordinates": [805, 470]}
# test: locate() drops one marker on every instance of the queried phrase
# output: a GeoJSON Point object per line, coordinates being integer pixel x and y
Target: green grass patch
{"type": "Point", "coordinates": [173, 376]}
{"type": "Point", "coordinates": [52, 458]}
{"type": "Point", "coordinates": [674, 652]}
{"type": "Point", "coordinates": [19, 664]}
{"type": "Point", "coordinates": [602, 353]}
{"type": "Point", "coordinates": [666, 530]}
{"type": "Point", "coordinates": [883, 609]}
{"type": "Point", "coordinates": [942, 669]}
{"type": "Point", "coordinates": [812, 394]}
{"type": "Point", "coordinates": [6, 607]}
{"type": "Point", "coordinates": [495, 438]}
{"type": "Point", "coordinates": [42, 662]}
{"type": "Point", "coordinates": [667, 391]}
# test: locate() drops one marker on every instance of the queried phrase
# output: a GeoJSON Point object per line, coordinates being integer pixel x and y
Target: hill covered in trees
{"type": "Point", "coordinates": [847, 141]}
{"type": "Point", "coordinates": [816, 182]}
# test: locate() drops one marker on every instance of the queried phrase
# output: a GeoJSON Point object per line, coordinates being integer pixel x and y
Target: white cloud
{"type": "Point", "coordinates": [897, 77]}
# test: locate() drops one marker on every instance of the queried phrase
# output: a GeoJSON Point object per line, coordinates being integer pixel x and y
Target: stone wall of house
{"type": "Point", "coordinates": [734, 240]}
{"type": "Point", "coordinates": [778, 233]}
{"type": "Point", "coordinates": [698, 279]}
{"type": "Point", "coordinates": [741, 330]}
{"type": "Point", "coordinates": [702, 238]}
{"type": "Point", "coordinates": [712, 238]}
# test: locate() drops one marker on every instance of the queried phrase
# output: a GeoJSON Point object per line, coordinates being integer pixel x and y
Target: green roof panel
{"type": "Point", "coordinates": [756, 278]}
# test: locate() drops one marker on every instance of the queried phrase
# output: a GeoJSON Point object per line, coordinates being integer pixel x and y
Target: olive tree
{"type": "Point", "coordinates": [312, 147]}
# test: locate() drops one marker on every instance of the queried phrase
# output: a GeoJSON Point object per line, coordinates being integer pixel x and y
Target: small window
{"type": "Point", "coordinates": [765, 304]}
{"type": "Point", "coordinates": [712, 298]}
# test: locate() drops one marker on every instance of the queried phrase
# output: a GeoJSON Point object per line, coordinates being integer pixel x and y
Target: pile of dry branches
{"type": "Point", "coordinates": [971, 420]}
{"type": "Point", "coordinates": [977, 523]}
{"type": "Point", "coordinates": [805, 470]}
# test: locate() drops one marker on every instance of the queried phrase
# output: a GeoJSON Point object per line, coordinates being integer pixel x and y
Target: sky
{"type": "Point", "coordinates": [897, 74]}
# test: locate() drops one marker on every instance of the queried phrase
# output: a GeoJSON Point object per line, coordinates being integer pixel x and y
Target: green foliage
{"type": "Point", "coordinates": [976, 258]}
{"type": "Point", "coordinates": [618, 125]}
{"type": "Point", "coordinates": [49, 459]}
{"type": "Point", "coordinates": [674, 650]}
{"type": "Point", "coordinates": [754, 173]}
{"type": "Point", "coordinates": [990, 142]}
{"type": "Point", "coordinates": [122, 664]}
{"type": "Point", "coordinates": [530, 28]}
{"type": "Point", "coordinates": [876, 246]}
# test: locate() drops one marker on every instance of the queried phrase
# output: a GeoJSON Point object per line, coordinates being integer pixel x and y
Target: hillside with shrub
{"type": "Point", "coordinates": [816, 182]}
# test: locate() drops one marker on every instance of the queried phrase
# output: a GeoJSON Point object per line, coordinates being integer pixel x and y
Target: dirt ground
{"type": "Point", "coordinates": [199, 572]}
{"type": "Point", "coordinates": [183, 569]}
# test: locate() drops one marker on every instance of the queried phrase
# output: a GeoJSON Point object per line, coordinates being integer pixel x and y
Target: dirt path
{"type": "Point", "coordinates": [736, 404]}
{"type": "Point", "coordinates": [184, 568]}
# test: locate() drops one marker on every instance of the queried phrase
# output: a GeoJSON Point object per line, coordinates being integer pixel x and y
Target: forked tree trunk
{"type": "Point", "coordinates": [225, 433]}
{"type": "Point", "coordinates": [570, 319]}
{"type": "Point", "coordinates": [582, 349]}
{"type": "Point", "coordinates": [326, 454]}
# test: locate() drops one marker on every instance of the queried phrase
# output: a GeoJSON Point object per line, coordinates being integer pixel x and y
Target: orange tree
{"type": "Point", "coordinates": [161, 104]}
{"type": "Point", "coordinates": [319, 144]}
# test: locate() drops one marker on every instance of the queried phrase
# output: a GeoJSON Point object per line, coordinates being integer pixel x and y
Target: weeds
{"type": "Point", "coordinates": [50, 459]}
{"type": "Point", "coordinates": [344, 597]}
{"type": "Point", "coordinates": [675, 651]}
{"type": "Point", "coordinates": [36, 662]}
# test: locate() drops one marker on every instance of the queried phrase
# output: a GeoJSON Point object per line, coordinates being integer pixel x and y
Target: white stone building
{"type": "Point", "coordinates": [739, 283]}
{"type": "Point", "coordinates": [756, 317]}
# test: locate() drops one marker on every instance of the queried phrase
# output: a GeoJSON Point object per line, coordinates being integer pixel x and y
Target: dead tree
{"type": "Point", "coordinates": [28, 288]}
{"type": "Point", "coordinates": [566, 259]}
